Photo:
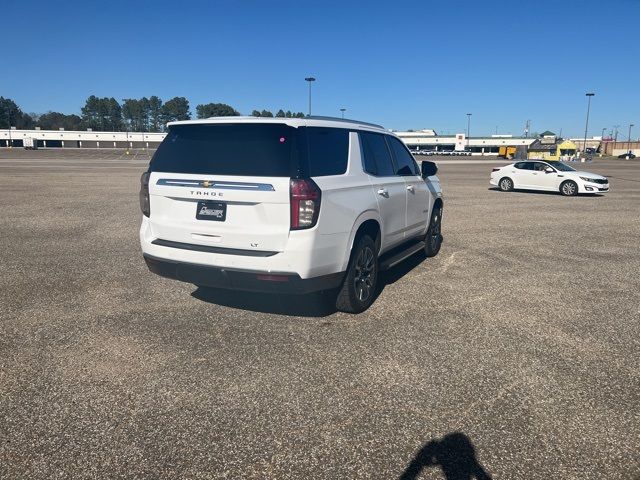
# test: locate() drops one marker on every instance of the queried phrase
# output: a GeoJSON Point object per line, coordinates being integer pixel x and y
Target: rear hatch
{"type": "Point", "coordinates": [224, 186]}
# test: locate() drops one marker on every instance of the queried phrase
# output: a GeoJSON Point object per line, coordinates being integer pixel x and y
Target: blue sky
{"type": "Point", "coordinates": [404, 64]}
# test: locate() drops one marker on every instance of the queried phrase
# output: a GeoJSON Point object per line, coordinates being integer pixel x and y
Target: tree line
{"type": "Point", "coordinates": [107, 114]}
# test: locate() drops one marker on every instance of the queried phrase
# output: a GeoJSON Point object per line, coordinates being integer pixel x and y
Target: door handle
{"type": "Point", "coordinates": [383, 192]}
{"type": "Point", "coordinates": [410, 188]}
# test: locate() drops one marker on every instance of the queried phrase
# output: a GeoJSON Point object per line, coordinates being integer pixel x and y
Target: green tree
{"type": "Point", "coordinates": [129, 113]}
{"type": "Point", "coordinates": [256, 113]}
{"type": "Point", "coordinates": [215, 110]}
{"type": "Point", "coordinates": [175, 109]}
{"type": "Point", "coordinates": [299, 115]}
{"type": "Point", "coordinates": [12, 115]}
{"type": "Point", "coordinates": [288, 114]}
{"type": "Point", "coordinates": [155, 114]}
{"type": "Point", "coordinates": [90, 113]}
{"type": "Point", "coordinates": [266, 113]}
{"type": "Point", "coordinates": [280, 114]}
{"type": "Point", "coordinates": [113, 114]}
{"type": "Point", "coordinates": [57, 120]}
{"type": "Point", "coordinates": [102, 114]}
{"type": "Point", "coordinates": [136, 114]}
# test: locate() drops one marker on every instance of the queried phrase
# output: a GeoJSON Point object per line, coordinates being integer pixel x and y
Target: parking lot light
{"type": "Point", "coordinates": [629, 144]}
{"type": "Point", "coordinates": [586, 127]}
{"type": "Point", "coordinates": [310, 80]}
{"type": "Point", "coordinates": [343, 110]}
{"type": "Point", "coordinates": [468, 128]}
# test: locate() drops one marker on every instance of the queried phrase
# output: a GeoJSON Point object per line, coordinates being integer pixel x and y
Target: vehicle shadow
{"type": "Point", "coordinates": [319, 304]}
{"type": "Point", "coordinates": [542, 192]}
{"type": "Point", "coordinates": [454, 454]}
{"type": "Point", "coordinates": [310, 305]}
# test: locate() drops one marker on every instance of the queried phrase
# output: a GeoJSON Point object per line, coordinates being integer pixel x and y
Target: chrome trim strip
{"type": "Point", "coordinates": [217, 184]}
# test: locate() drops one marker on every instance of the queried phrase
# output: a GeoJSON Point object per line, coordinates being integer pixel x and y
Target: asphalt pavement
{"type": "Point", "coordinates": [512, 354]}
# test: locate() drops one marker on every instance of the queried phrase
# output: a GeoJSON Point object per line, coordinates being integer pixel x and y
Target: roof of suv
{"type": "Point", "coordinates": [293, 122]}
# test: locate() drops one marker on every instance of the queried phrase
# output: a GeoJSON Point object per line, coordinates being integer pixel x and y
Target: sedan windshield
{"type": "Point", "coordinates": [561, 166]}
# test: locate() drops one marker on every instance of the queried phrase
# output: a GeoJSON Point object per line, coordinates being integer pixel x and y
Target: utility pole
{"type": "Point", "coordinates": [468, 128]}
{"type": "Point", "coordinates": [629, 145]}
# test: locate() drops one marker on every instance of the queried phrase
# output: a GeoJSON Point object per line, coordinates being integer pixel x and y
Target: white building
{"type": "Point", "coordinates": [429, 140]}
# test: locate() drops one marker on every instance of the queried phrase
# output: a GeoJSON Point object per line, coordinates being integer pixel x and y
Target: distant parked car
{"type": "Point", "coordinates": [627, 155]}
{"type": "Point", "coordinates": [552, 176]}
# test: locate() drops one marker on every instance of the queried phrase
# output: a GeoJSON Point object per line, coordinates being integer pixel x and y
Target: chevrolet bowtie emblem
{"type": "Point", "coordinates": [206, 183]}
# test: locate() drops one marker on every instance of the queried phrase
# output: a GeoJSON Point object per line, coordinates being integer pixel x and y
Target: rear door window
{"type": "Point", "coordinates": [262, 150]}
{"type": "Point", "coordinates": [327, 150]}
{"type": "Point", "coordinates": [377, 158]}
{"type": "Point", "coordinates": [405, 164]}
{"type": "Point", "coordinates": [524, 165]}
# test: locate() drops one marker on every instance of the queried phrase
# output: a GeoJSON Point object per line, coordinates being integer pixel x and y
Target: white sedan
{"type": "Point", "coordinates": [548, 175]}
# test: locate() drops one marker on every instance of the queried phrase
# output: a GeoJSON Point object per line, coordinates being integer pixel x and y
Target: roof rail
{"type": "Point", "coordinates": [346, 120]}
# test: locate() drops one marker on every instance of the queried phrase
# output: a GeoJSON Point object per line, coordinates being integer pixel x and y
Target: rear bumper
{"type": "Point", "coordinates": [248, 280]}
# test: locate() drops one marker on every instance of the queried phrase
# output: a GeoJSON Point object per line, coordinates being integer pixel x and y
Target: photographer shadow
{"type": "Point", "coordinates": [454, 454]}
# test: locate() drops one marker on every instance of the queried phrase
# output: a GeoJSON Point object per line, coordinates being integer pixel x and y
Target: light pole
{"type": "Point", "coordinates": [124, 100]}
{"type": "Point", "coordinates": [310, 79]}
{"type": "Point", "coordinates": [629, 145]}
{"type": "Point", "coordinates": [9, 116]}
{"type": "Point", "coordinates": [602, 135]}
{"type": "Point", "coordinates": [586, 127]}
{"type": "Point", "coordinates": [615, 136]}
{"type": "Point", "coordinates": [468, 127]}
{"type": "Point", "coordinates": [343, 110]}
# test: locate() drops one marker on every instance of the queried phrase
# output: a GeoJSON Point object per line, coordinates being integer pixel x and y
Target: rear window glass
{"type": "Point", "coordinates": [263, 150]}
{"type": "Point", "coordinates": [524, 165]}
{"type": "Point", "coordinates": [328, 151]}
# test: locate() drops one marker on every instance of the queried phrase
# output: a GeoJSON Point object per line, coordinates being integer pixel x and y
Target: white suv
{"type": "Point", "coordinates": [286, 205]}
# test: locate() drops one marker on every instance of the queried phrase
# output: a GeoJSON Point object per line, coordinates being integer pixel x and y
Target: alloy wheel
{"type": "Point", "coordinates": [364, 274]}
{"type": "Point", "coordinates": [569, 188]}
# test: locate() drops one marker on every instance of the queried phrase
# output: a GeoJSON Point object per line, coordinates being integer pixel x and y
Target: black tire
{"type": "Point", "coordinates": [569, 188]}
{"type": "Point", "coordinates": [433, 238]}
{"type": "Point", "coordinates": [505, 184]}
{"type": "Point", "coordinates": [359, 286]}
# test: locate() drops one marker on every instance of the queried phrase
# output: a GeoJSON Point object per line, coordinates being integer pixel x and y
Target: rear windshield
{"type": "Point", "coordinates": [264, 150]}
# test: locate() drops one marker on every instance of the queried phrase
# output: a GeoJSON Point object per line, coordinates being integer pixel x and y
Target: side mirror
{"type": "Point", "coordinates": [428, 168]}
{"type": "Point", "coordinates": [549, 170]}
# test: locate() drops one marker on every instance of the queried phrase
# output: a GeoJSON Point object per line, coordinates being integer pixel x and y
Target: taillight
{"type": "Point", "coordinates": [144, 194]}
{"type": "Point", "coordinates": [305, 203]}
{"type": "Point", "coordinates": [495, 169]}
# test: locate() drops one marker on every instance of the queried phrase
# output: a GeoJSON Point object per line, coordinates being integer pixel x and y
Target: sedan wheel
{"type": "Point", "coordinates": [569, 189]}
{"type": "Point", "coordinates": [506, 184]}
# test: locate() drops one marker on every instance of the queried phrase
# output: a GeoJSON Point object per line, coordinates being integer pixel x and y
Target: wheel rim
{"type": "Point", "coordinates": [506, 184]}
{"type": "Point", "coordinates": [569, 188]}
{"type": "Point", "coordinates": [365, 273]}
{"type": "Point", "coordinates": [435, 229]}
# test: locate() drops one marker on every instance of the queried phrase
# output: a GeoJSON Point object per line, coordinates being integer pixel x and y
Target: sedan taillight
{"type": "Point", "coordinates": [495, 169]}
{"type": "Point", "coordinates": [305, 203]}
{"type": "Point", "coordinates": [145, 205]}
